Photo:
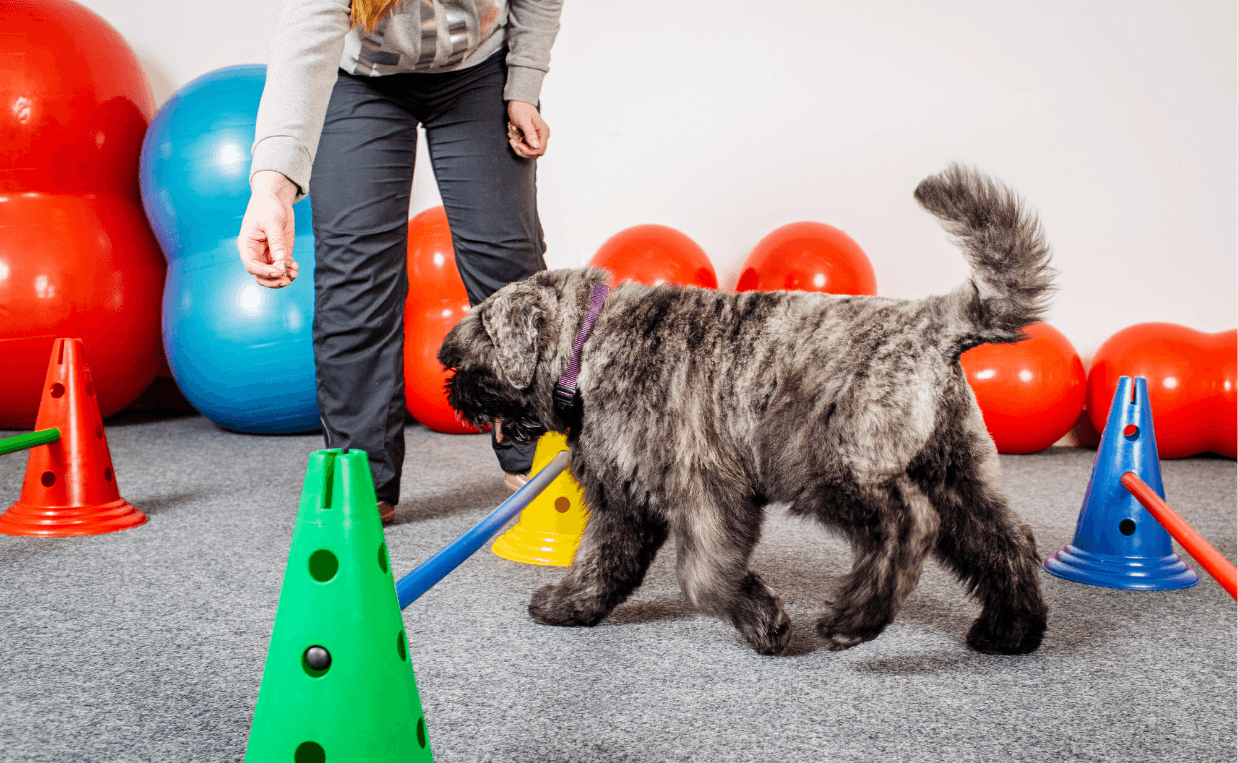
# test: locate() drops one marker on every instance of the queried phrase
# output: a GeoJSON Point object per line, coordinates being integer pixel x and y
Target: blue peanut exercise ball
{"type": "Point", "coordinates": [240, 352]}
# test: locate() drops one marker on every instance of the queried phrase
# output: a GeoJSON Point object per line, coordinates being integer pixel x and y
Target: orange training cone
{"type": "Point", "coordinates": [550, 526]}
{"type": "Point", "coordinates": [70, 488]}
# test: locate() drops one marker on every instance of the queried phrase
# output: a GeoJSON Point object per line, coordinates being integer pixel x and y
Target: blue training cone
{"type": "Point", "coordinates": [1117, 542]}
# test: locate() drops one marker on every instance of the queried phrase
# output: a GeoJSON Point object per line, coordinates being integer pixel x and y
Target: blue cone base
{"type": "Point", "coordinates": [1143, 573]}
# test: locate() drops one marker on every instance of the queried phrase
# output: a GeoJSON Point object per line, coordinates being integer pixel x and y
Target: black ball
{"type": "Point", "coordinates": [317, 658]}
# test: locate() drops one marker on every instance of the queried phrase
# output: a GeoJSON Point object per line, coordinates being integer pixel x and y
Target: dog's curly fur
{"type": "Point", "coordinates": [698, 408]}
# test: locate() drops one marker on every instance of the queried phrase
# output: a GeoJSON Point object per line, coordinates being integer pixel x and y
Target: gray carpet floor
{"type": "Point", "coordinates": [148, 644]}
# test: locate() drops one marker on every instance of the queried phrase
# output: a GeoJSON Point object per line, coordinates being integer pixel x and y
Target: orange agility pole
{"type": "Point", "coordinates": [1216, 565]}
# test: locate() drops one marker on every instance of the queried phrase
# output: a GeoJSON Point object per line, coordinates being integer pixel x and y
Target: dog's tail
{"type": "Point", "coordinates": [1011, 280]}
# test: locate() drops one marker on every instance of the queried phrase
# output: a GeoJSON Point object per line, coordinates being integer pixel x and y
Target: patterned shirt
{"type": "Point", "coordinates": [315, 38]}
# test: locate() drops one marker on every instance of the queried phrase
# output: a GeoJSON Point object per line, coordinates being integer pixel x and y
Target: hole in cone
{"type": "Point", "coordinates": [107, 474]}
{"type": "Point", "coordinates": [1126, 527]}
{"type": "Point", "coordinates": [1131, 432]}
{"type": "Point", "coordinates": [562, 504]}
{"type": "Point", "coordinates": [382, 557]}
{"type": "Point", "coordinates": [328, 482]}
{"type": "Point", "coordinates": [309, 752]}
{"type": "Point", "coordinates": [323, 565]}
{"type": "Point", "coordinates": [400, 647]}
{"type": "Point", "coordinates": [48, 479]}
{"type": "Point", "coordinates": [90, 389]}
{"type": "Point", "coordinates": [57, 390]}
{"type": "Point", "coordinates": [98, 431]}
{"type": "Point", "coordinates": [421, 731]}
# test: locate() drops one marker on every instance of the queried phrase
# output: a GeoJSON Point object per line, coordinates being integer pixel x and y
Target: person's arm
{"type": "Point", "coordinates": [302, 61]}
{"type": "Point", "coordinates": [531, 29]}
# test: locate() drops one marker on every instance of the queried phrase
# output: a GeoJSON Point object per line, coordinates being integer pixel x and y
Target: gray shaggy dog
{"type": "Point", "coordinates": [697, 408]}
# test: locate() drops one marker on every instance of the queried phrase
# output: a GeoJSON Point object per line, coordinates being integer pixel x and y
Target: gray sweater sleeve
{"type": "Point", "coordinates": [531, 29]}
{"type": "Point", "coordinates": [301, 69]}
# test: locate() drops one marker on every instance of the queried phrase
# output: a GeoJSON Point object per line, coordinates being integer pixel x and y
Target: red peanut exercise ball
{"type": "Point", "coordinates": [653, 255]}
{"type": "Point", "coordinates": [1191, 385]}
{"type": "Point", "coordinates": [77, 258]}
{"type": "Point", "coordinates": [77, 102]}
{"type": "Point", "coordinates": [436, 302]}
{"type": "Point", "coordinates": [808, 256]}
{"type": "Point", "coordinates": [1031, 392]}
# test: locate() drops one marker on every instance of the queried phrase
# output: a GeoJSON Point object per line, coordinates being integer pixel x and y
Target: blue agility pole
{"type": "Point", "coordinates": [434, 569]}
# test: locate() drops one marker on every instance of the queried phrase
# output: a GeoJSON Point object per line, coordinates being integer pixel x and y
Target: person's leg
{"type": "Point", "coordinates": [359, 190]}
{"type": "Point", "coordinates": [489, 193]}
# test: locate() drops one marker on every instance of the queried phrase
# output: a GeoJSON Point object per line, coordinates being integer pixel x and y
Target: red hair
{"type": "Point", "coordinates": [366, 13]}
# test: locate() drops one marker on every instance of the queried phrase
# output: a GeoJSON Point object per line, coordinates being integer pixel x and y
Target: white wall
{"type": "Point", "coordinates": [1117, 120]}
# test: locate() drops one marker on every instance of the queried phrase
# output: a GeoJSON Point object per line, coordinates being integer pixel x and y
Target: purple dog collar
{"type": "Point", "coordinates": [565, 390]}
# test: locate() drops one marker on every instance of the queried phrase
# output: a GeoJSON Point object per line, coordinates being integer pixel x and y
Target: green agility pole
{"type": "Point", "coordinates": [29, 440]}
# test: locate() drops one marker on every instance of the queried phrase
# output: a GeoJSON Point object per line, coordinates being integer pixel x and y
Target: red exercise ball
{"type": "Point", "coordinates": [436, 302]}
{"type": "Point", "coordinates": [77, 103]}
{"type": "Point", "coordinates": [808, 256]}
{"type": "Point", "coordinates": [655, 254]}
{"type": "Point", "coordinates": [77, 266]}
{"type": "Point", "coordinates": [1191, 385]}
{"type": "Point", "coordinates": [1031, 392]}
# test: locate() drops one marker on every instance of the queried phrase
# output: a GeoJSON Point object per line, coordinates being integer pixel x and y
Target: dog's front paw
{"type": "Point", "coordinates": [1021, 635]}
{"type": "Point", "coordinates": [771, 637]}
{"type": "Point", "coordinates": [550, 606]}
{"type": "Point", "coordinates": [839, 631]}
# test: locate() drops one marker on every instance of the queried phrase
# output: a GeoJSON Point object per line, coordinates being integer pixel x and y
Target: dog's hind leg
{"type": "Point", "coordinates": [610, 563]}
{"type": "Point", "coordinates": [714, 542]}
{"type": "Point", "coordinates": [993, 553]}
{"type": "Point", "coordinates": [890, 550]}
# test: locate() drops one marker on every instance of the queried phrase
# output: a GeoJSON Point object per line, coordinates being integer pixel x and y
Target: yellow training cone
{"type": "Point", "coordinates": [550, 527]}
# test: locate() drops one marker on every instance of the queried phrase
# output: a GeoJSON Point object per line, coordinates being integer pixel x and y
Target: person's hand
{"type": "Point", "coordinates": [527, 132]}
{"type": "Point", "coordinates": [268, 230]}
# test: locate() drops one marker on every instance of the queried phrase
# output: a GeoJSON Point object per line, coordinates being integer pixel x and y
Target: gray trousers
{"type": "Point", "coordinates": [360, 190]}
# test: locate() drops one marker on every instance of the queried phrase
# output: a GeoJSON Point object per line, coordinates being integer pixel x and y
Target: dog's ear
{"type": "Point", "coordinates": [512, 321]}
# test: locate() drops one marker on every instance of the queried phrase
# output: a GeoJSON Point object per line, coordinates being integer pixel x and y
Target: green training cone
{"type": "Point", "coordinates": [338, 683]}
